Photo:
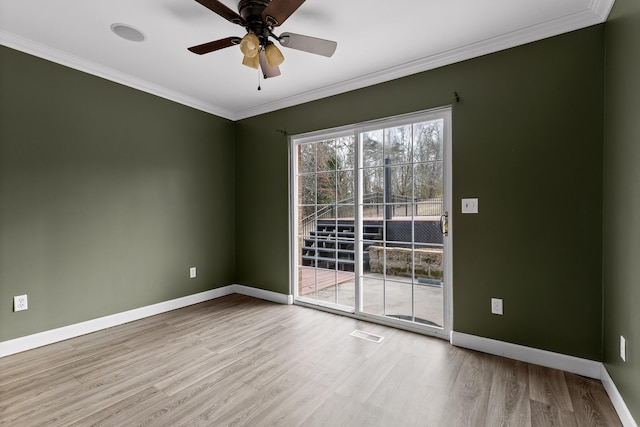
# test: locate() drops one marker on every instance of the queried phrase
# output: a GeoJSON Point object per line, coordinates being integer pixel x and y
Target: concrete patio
{"type": "Point", "coordinates": [391, 297]}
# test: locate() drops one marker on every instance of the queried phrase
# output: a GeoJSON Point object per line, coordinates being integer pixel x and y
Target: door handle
{"type": "Point", "coordinates": [444, 224]}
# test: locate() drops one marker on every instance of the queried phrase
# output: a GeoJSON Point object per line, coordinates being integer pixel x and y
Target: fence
{"type": "Point", "coordinates": [373, 207]}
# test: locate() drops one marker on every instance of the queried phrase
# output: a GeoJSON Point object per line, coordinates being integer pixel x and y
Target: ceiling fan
{"type": "Point", "coordinates": [259, 18]}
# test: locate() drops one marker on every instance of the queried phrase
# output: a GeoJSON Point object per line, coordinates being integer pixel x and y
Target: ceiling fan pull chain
{"type": "Point", "coordinates": [259, 88]}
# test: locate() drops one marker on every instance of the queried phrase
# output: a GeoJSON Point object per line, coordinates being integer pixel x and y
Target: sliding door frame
{"type": "Point", "coordinates": [357, 312]}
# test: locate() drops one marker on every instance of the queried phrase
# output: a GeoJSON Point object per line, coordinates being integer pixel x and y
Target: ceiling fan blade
{"type": "Point", "coordinates": [308, 44]}
{"type": "Point", "coordinates": [279, 10]}
{"type": "Point", "coordinates": [215, 45]}
{"type": "Point", "coordinates": [267, 70]}
{"type": "Point", "coordinates": [222, 10]}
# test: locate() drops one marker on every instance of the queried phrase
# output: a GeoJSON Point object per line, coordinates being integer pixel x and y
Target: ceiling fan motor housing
{"type": "Point", "coordinates": [251, 12]}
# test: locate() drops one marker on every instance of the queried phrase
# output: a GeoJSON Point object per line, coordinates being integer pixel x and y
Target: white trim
{"type": "Point", "coordinates": [588, 368]}
{"type": "Point", "coordinates": [576, 365]}
{"type": "Point", "coordinates": [616, 399]}
{"type": "Point", "coordinates": [602, 8]}
{"type": "Point", "coordinates": [355, 130]}
{"type": "Point", "coordinates": [448, 240]}
{"type": "Point", "coordinates": [59, 57]}
{"type": "Point", "coordinates": [596, 13]}
{"type": "Point", "coordinates": [40, 339]}
{"type": "Point", "coordinates": [262, 294]}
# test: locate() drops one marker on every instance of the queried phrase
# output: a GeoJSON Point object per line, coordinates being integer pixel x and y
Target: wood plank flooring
{"type": "Point", "coordinates": [239, 361]}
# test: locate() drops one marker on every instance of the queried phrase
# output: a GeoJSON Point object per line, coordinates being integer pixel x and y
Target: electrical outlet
{"type": "Point", "coordinates": [623, 349]}
{"type": "Point", "coordinates": [192, 272]}
{"type": "Point", "coordinates": [20, 303]}
{"type": "Point", "coordinates": [496, 306]}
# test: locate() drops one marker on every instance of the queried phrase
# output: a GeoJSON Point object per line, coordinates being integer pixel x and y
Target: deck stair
{"type": "Point", "coordinates": [332, 244]}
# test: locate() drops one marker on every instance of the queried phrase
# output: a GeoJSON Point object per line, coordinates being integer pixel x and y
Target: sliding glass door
{"type": "Point", "coordinates": [325, 259]}
{"type": "Point", "coordinates": [369, 219]}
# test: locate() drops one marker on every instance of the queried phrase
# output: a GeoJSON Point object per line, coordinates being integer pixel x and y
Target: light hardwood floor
{"type": "Point", "coordinates": [243, 361]}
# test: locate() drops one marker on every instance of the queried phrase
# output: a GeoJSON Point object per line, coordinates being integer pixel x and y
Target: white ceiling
{"type": "Point", "coordinates": [377, 41]}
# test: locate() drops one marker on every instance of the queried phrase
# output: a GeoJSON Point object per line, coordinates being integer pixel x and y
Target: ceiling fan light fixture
{"type": "Point", "coordinates": [273, 54]}
{"type": "Point", "coordinates": [250, 45]}
{"type": "Point", "coordinates": [251, 61]}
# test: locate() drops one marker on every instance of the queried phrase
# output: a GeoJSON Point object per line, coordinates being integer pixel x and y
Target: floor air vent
{"type": "Point", "coordinates": [367, 336]}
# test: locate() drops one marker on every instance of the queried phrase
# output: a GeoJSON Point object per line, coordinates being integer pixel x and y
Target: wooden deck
{"type": "Point", "coordinates": [325, 279]}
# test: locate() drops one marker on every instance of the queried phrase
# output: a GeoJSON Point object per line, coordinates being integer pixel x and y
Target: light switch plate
{"type": "Point", "coordinates": [470, 205]}
{"type": "Point", "coordinates": [496, 306]}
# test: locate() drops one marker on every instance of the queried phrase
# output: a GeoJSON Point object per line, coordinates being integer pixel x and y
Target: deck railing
{"type": "Point", "coordinates": [373, 207]}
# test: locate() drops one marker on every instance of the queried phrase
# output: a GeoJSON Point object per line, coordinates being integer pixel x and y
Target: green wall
{"type": "Point", "coordinates": [107, 196]}
{"type": "Point", "coordinates": [527, 140]}
{"type": "Point", "coordinates": [622, 200]}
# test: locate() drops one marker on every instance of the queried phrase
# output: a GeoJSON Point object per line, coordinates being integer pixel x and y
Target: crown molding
{"type": "Point", "coordinates": [59, 57]}
{"type": "Point", "coordinates": [602, 8]}
{"type": "Point", "coordinates": [596, 13]}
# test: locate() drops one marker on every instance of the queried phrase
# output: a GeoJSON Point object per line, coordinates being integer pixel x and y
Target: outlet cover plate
{"type": "Point", "coordinates": [20, 303]}
{"type": "Point", "coordinates": [623, 349]}
{"type": "Point", "coordinates": [192, 272]}
{"type": "Point", "coordinates": [496, 306]}
{"type": "Point", "coordinates": [470, 205]}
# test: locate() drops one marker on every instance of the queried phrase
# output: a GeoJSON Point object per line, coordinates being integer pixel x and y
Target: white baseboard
{"type": "Point", "coordinates": [616, 399]}
{"type": "Point", "coordinates": [262, 294]}
{"type": "Point", "coordinates": [40, 339]}
{"type": "Point", "coordinates": [576, 365]}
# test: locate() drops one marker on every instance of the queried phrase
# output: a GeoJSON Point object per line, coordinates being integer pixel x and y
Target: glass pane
{"type": "Point", "coordinates": [373, 185]}
{"type": "Point", "coordinates": [402, 210]}
{"type": "Point", "coordinates": [399, 298]}
{"type": "Point", "coordinates": [428, 181]}
{"type": "Point", "coordinates": [401, 186]}
{"type": "Point", "coordinates": [324, 212]}
{"type": "Point", "coordinates": [398, 144]}
{"type": "Point", "coordinates": [372, 148]}
{"type": "Point", "coordinates": [373, 294]}
{"type": "Point", "coordinates": [307, 221]}
{"type": "Point", "coordinates": [307, 210]}
{"type": "Point", "coordinates": [344, 186]}
{"type": "Point", "coordinates": [346, 292]}
{"type": "Point", "coordinates": [427, 233]}
{"type": "Point", "coordinates": [307, 189]}
{"type": "Point", "coordinates": [429, 208]}
{"type": "Point", "coordinates": [373, 211]}
{"type": "Point", "coordinates": [326, 188]}
{"type": "Point", "coordinates": [428, 266]}
{"type": "Point", "coordinates": [327, 287]}
{"type": "Point", "coordinates": [345, 157]}
{"type": "Point", "coordinates": [428, 286]}
{"type": "Point", "coordinates": [326, 155]}
{"type": "Point", "coordinates": [428, 137]}
{"type": "Point", "coordinates": [428, 304]}
{"type": "Point", "coordinates": [399, 232]}
{"type": "Point", "coordinates": [307, 158]}
{"type": "Point", "coordinates": [346, 211]}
